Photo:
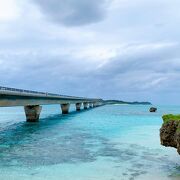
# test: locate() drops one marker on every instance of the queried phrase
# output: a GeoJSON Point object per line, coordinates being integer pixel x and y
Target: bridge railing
{"type": "Point", "coordinates": [36, 92]}
{"type": "Point", "coordinates": [29, 91]}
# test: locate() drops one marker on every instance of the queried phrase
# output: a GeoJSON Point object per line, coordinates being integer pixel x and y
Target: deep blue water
{"type": "Point", "coordinates": [117, 142]}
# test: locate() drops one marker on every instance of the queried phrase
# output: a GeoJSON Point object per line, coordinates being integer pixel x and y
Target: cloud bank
{"type": "Point", "coordinates": [126, 50]}
{"type": "Point", "coordinates": [73, 12]}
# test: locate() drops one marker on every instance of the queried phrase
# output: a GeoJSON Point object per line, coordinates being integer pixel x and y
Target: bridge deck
{"type": "Point", "coordinates": [20, 97]}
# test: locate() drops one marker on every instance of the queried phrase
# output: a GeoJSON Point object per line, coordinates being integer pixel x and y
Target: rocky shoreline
{"type": "Point", "coordinates": [170, 131]}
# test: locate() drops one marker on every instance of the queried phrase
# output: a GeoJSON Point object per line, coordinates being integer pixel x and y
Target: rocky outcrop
{"type": "Point", "coordinates": [170, 134]}
{"type": "Point", "coordinates": [152, 109]}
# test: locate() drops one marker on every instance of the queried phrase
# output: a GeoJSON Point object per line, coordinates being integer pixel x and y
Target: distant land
{"type": "Point", "coordinates": [126, 102]}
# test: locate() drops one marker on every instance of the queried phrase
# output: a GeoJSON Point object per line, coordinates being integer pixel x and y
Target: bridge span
{"type": "Point", "coordinates": [32, 101]}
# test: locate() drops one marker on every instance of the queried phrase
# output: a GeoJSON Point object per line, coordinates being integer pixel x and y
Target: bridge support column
{"type": "Point", "coordinates": [90, 105]}
{"type": "Point", "coordinates": [78, 106]}
{"type": "Point", "coordinates": [85, 105]}
{"type": "Point", "coordinates": [95, 104]}
{"type": "Point", "coordinates": [32, 113]}
{"type": "Point", "coordinates": [101, 104]}
{"type": "Point", "coordinates": [65, 108]}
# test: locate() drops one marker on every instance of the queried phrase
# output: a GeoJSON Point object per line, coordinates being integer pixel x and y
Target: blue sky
{"type": "Point", "coordinates": [113, 49]}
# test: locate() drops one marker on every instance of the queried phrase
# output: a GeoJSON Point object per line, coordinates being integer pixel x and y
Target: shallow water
{"type": "Point", "coordinates": [116, 142]}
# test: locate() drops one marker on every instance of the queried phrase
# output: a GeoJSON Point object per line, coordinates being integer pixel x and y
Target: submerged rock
{"type": "Point", "coordinates": [152, 109]}
{"type": "Point", "coordinates": [170, 132]}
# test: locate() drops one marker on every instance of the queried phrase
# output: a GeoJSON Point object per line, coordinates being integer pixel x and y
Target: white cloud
{"type": "Point", "coordinates": [8, 10]}
{"type": "Point", "coordinates": [132, 53]}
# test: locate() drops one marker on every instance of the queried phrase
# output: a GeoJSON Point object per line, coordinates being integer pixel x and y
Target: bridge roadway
{"type": "Point", "coordinates": [31, 100]}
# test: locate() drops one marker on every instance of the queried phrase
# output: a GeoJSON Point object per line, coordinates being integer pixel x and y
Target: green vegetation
{"type": "Point", "coordinates": [168, 117]}
{"type": "Point", "coordinates": [126, 102]}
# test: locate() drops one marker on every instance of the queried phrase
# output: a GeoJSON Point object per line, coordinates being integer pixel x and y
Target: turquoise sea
{"type": "Point", "coordinates": [113, 142]}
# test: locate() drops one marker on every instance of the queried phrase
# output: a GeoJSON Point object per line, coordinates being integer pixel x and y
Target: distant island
{"type": "Point", "coordinates": [126, 102]}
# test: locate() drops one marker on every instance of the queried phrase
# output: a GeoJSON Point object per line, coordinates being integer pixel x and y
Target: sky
{"type": "Point", "coordinates": [110, 49]}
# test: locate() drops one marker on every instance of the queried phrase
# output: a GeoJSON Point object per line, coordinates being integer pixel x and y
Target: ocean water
{"type": "Point", "coordinates": [113, 142]}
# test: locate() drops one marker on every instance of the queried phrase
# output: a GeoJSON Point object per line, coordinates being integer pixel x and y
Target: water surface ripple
{"type": "Point", "coordinates": [105, 143]}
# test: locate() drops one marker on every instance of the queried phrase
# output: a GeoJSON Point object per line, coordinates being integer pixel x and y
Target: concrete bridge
{"type": "Point", "coordinates": [31, 100]}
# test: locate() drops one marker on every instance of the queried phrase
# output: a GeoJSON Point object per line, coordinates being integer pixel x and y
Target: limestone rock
{"type": "Point", "coordinates": [152, 109]}
{"type": "Point", "coordinates": [170, 134]}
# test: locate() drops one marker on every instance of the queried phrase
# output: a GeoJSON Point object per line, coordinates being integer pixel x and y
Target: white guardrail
{"type": "Point", "coordinates": [14, 90]}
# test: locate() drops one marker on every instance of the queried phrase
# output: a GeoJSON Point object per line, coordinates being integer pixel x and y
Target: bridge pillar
{"type": "Point", "coordinates": [90, 105]}
{"type": "Point", "coordinates": [32, 113]}
{"type": "Point", "coordinates": [95, 104]}
{"type": "Point", "coordinates": [78, 106]}
{"type": "Point", "coordinates": [85, 105]}
{"type": "Point", "coordinates": [101, 103]}
{"type": "Point", "coordinates": [65, 108]}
